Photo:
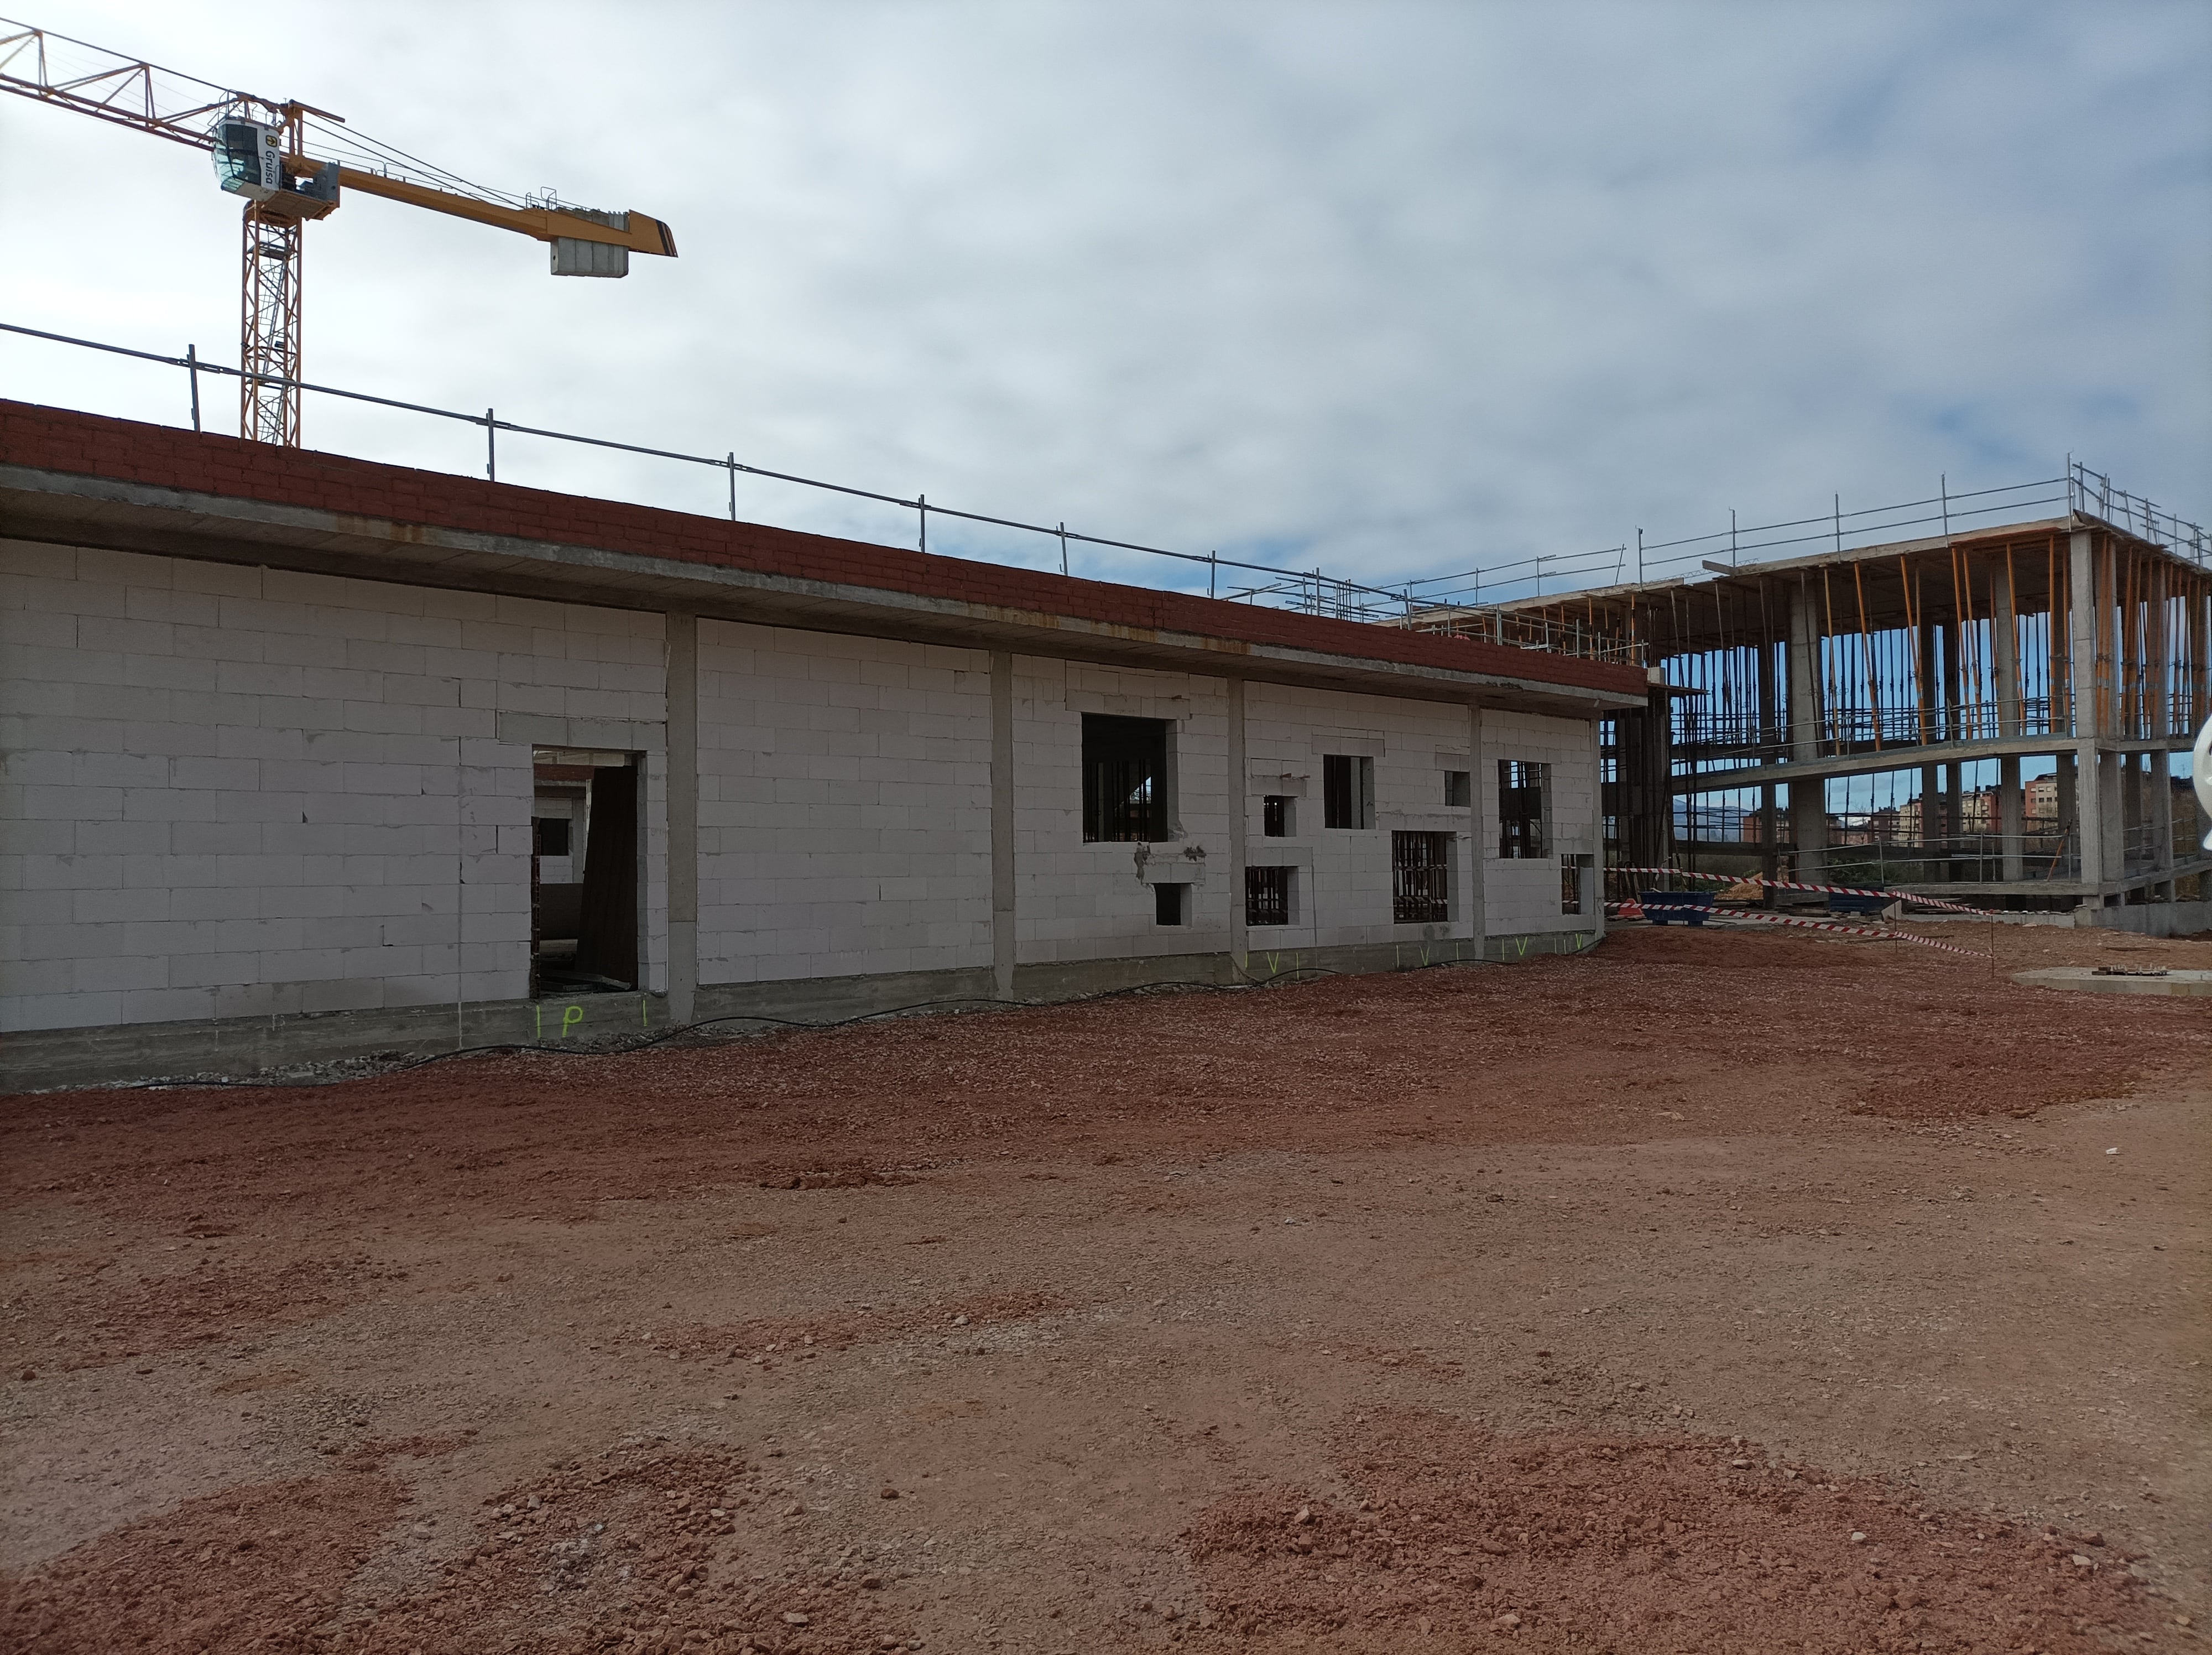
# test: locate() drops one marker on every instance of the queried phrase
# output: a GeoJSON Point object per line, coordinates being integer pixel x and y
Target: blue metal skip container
{"type": "Point", "coordinates": [1664, 907]}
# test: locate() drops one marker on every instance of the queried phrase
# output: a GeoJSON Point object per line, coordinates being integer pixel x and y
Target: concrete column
{"type": "Point", "coordinates": [2012, 818]}
{"type": "Point", "coordinates": [1770, 829]}
{"type": "Point", "coordinates": [2004, 637]}
{"type": "Point", "coordinates": [1808, 799]}
{"type": "Point", "coordinates": [1002, 824]}
{"type": "Point", "coordinates": [2068, 790]}
{"type": "Point", "coordinates": [1240, 820]}
{"type": "Point", "coordinates": [1932, 829]}
{"type": "Point", "coordinates": [1770, 734]}
{"type": "Point", "coordinates": [1804, 679]}
{"type": "Point", "coordinates": [682, 633]}
{"type": "Point", "coordinates": [2131, 809]}
{"type": "Point", "coordinates": [2158, 785]}
{"type": "Point", "coordinates": [2084, 628]}
{"type": "Point", "coordinates": [1954, 813]}
{"type": "Point", "coordinates": [1594, 883]}
{"type": "Point", "coordinates": [2111, 860]}
{"type": "Point", "coordinates": [1478, 848]}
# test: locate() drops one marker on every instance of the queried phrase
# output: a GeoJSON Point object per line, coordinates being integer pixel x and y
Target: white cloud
{"type": "Point", "coordinates": [1394, 289]}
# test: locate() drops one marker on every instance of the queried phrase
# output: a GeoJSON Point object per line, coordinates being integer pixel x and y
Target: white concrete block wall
{"type": "Point", "coordinates": [844, 805]}
{"type": "Point", "coordinates": [229, 791]}
{"type": "Point", "coordinates": [1522, 895]}
{"type": "Point", "coordinates": [1344, 873]}
{"type": "Point", "coordinates": [1075, 901]}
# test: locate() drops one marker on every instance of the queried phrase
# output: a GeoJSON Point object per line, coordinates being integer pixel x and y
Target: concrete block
{"type": "Point", "coordinates": [99, 974]}
{"type": "Point", "coordinates": [341, 995]}
{"type": "Point", "coordinates": [209, 971]}
{"type": "Point", "coordinates": [22, 1013]}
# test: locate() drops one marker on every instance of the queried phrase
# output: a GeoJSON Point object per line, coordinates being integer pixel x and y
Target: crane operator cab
{"type": "Point", "coordinates": [249, 160]}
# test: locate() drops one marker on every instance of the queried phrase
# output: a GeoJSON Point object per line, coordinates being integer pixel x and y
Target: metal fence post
{"type": "Point", "coordinates": [192, 371]}
{"type": "Point", "coordinates": [732, 463]}
{"type": "Point", "coordinates": [491, 447]}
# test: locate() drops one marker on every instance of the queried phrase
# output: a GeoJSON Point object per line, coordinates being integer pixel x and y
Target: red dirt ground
{"type": "Point", "coordinates": [1709, 1291]}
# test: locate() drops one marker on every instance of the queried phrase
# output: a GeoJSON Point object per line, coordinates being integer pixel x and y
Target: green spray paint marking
{"type": "Point", "coordinates": [569, 1019]}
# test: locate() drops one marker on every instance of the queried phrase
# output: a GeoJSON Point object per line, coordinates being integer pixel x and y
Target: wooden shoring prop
{"type": "Point", "coordinates": [1958, 642]}
{"type": "Point", "coordinates": [1866, 657]}
{"type": "Point", "coordinates": [2058, 632]}
{"type": "Point", "coordinates": [1912, 648]}
{"type": "Point", "coordinates": [1827, 675]}
{"type": "Point", "coordinates": [2018, 691]}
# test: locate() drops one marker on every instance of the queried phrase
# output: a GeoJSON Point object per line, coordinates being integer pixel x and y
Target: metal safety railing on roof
{"type": "Point", "coordinates": [1350, 598]}
{"type": "Point", "coordinates": [1452, 603]}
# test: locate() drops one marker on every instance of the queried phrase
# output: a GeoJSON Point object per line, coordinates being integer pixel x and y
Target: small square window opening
{"type": "Point", "coordinates": [1459, 788]}
{"type": "Point", "coordinates": [1170, 905]}
{"type": "Point", "coordinates": [1276, 815]}
{"type": "Point", "coordinates": [551, 834]}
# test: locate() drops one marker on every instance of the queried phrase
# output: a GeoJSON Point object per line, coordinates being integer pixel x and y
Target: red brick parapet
{"type": "Point", "coordinates": [158, 456]}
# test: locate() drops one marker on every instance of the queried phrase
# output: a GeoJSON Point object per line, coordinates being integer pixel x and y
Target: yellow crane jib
{"type": "Point", "coordinates": [585, 242]}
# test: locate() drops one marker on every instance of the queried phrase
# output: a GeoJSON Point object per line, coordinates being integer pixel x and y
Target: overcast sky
{"type": "Point", "coordinates": [1392, 288]}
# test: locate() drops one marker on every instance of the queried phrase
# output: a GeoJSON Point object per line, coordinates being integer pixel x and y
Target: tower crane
{"type": "Point", "coordinates": [292, 163]}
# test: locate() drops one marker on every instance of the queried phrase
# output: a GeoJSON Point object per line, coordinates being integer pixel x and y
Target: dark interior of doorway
{"type": "Point", "coordinates": [584, 931]}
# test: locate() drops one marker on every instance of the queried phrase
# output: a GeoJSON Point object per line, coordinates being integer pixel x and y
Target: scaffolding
{"type": "Point", "coordinates": [1864, 714]}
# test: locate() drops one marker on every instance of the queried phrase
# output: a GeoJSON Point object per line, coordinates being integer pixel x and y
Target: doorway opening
{"type": "Point", "coordinates": [584, 834]}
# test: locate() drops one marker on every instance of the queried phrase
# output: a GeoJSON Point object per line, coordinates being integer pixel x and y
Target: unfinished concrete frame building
{"type": "Point", "coordinates": [2074, 638]}
{"type": "Point", "coordinates": [292, 742]}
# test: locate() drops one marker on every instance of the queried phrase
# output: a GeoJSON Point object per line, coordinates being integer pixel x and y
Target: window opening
{"type": "Point", "coordinates": [1347, 786]}
{"type": "Point", "coordinates": [1266, 896]}
{"type": "Point", "coordinates": [1169, 903]}
{"type": "Point", "coordinates": [1524, 809]}
{"type": "Point", "coordinates": [550, 835]}
{"type": "Point", "coordinates": [1420, 878]}
{"type": "Point", "coordinates": [1459, 788]}
{"type": "Point", "coordinates": [1275, 816]}
{"type": "Point", "coordinates": [1125, 779]}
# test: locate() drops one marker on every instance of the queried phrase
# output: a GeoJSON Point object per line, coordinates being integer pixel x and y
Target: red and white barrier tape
{"type": "Point", "coordinates": [1765, 918]}
{"type": "Point", "coordinates": [1633, 910]}
{"type": "Point", "coordinates": [1912, 897]}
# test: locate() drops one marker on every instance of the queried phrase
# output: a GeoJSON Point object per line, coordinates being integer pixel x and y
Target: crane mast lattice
{"type": "Point", "coordinates": [293, 163]}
